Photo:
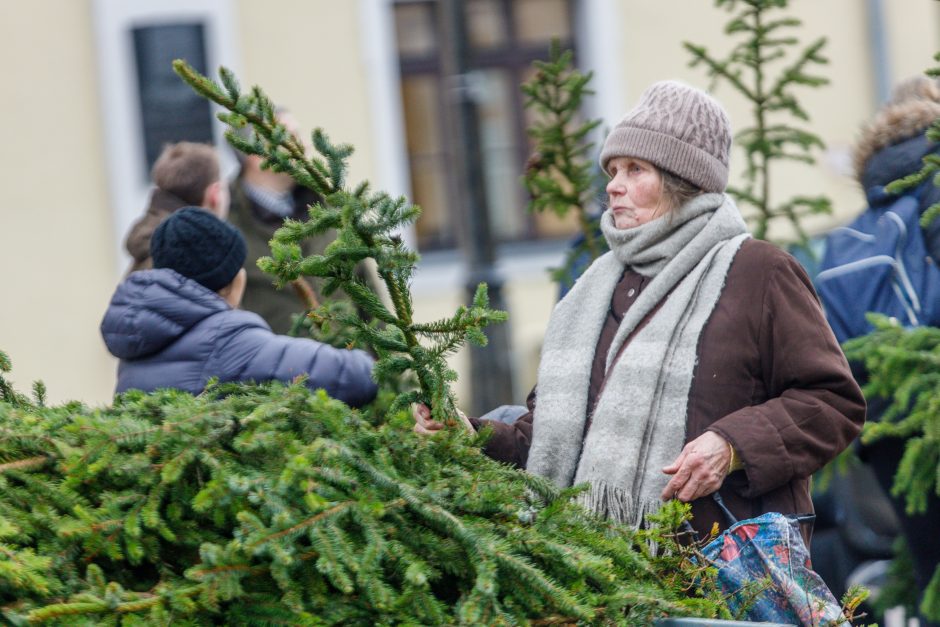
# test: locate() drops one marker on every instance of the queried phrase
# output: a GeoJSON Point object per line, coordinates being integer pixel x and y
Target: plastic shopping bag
{"type": "Point", "coordinates": [771, 547]}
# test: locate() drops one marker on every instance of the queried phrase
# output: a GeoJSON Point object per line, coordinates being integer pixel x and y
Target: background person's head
{"type": "Point", "coordinates": [913, 106]}
{"type": "Point", "coordinates": [199, 246]}
{"type": "Point", "coordinates": [251, 170]}
{"type": "Point", "coordinates": [673, 145]}
{"type": "Point", "coordinates": [190, 171]}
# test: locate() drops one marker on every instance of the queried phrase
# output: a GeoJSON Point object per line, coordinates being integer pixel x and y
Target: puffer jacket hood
{"type": "Point", "coordinates": [171, 332]}
{"type": "Point", "coordinates": [895, 124]}
{"type": "Point", "coordinates": [154, 308]}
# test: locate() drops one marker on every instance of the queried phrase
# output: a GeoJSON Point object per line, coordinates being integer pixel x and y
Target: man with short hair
{"type": "Point", "coordinates": [185, 174]}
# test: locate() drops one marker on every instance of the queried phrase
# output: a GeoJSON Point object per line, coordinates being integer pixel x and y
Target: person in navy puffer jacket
{"type": "Point", "coordinates": [179, 325]}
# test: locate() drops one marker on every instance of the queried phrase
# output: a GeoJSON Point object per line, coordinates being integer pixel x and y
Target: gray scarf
{"type": "Point", "coordinates": [638, 425]}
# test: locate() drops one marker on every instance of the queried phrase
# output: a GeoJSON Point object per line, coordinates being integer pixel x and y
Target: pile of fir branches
{"type": "Point", "coordinates": [903, 366]}
{"type": "Point", "coordinates": [274, 505]}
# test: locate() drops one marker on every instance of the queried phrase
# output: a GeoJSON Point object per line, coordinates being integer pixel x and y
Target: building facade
{"type": "Point", "coordinates": [89, 99]}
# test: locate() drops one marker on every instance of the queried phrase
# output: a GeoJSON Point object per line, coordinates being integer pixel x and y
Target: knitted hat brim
{"type": "Point", "coordinates": [667, 152]}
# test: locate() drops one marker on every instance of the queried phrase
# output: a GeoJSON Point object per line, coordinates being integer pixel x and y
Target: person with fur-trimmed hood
{"type": "Point", "coordinates": [892, 145]}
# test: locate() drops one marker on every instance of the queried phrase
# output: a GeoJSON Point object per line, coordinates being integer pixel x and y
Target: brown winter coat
{"type": "Point", "coordinates": [162, 205]}
{"type": "Point", "coordinates": [770, 379]}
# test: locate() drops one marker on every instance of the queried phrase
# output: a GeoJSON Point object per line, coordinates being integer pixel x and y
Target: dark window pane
{"type": "Point", "coordinates": [502, 167]}
{"type": "Point", "coordinates": [428, 160]}
{"type": "Point", "coordinates": [504, 37]}
{"type": "Point", "coordinates": [486, 24]}
{"type": "Point", "coordinates": [169, 110]}
{"type": "Point", "coordinates": [415, 29]}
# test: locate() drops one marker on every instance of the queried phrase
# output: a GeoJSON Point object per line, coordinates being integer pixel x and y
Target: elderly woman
{"type": "Point", "coordinates": [691, 358]}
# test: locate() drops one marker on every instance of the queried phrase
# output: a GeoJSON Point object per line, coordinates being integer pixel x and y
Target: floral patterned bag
{"type": "Point", "coordinates": [770, 547]}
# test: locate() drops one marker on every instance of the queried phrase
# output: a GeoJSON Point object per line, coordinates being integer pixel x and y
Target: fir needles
{"type": "Point", "coordinates": [367, 225]}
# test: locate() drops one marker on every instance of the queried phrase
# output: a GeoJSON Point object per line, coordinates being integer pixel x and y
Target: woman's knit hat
{"type": "Point", "coordinates": [678, 128]}
{"type": "Point", "coordinates": [199, 246]}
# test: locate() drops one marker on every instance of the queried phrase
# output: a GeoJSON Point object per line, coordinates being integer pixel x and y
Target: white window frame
{"type": "Point", "coordinates": [118, 89]}
{"type": "Point", "coordinates": [597, 31]}
{"type": "Point", "coordinates": [380, 58]}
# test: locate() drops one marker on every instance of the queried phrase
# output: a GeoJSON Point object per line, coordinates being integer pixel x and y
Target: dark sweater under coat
{"type": "Point", "coordinates": [771, 379]}
{"type": "Point", "coordinates": [171, 332]}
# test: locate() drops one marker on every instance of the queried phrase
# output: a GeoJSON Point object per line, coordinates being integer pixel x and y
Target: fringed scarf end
{"type": "Point", "coordinates": [617, 504]}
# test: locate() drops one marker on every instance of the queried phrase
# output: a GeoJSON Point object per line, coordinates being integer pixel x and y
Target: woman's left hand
{"type": "Point", "coordinates": [700, 468]}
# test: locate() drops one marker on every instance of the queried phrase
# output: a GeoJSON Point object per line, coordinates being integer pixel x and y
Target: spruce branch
{"type": "Point", "coordinates": [560, 176]}
{"type": "Point", "coordinates": [367, 224]}
{"type": "Point", "coordinates": [747, 70]}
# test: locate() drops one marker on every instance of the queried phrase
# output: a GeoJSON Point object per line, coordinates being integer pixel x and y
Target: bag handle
{"type": "Point", "coordinates": [729, 517]}
{"type": "Point", "coordinates": [733, 520]}
{"type": "Point", "coordinates": [800, 518]}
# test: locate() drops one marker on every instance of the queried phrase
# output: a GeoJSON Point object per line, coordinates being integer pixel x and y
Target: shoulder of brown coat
{"type": "Point", "coordinates": [771, 264]}
{"type": "Point", "coordinates": [764, 262]}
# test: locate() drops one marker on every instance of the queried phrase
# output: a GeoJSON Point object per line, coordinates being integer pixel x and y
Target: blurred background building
{"type": "Point", "coordinates": [89, 98]}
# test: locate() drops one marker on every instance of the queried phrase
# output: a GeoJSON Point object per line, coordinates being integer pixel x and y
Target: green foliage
{"type": "Point", "coordinates": [560, 175]}
{"type": "Point", "coordinates": [274, 505]}
{"type": "Point", "coordinates": [904, 367]}
{"type": "Point", "coordinates": [367, 224]}
{"type": "Point", "coordinates": [931, 167]}
{"type": "Point", "coordinates": [763, 42]}
{"type": "Point", "coordinates": [9, 395]}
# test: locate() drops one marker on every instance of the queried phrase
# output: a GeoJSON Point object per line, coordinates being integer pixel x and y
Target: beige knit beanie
{"type": "Point", "coordinates": [678, 128]}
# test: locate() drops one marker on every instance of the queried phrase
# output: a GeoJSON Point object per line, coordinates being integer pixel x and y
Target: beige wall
{"type": "Point", "coordinates": [323, 79]}
{"type": "Point", "coordinates": [55, 236]}
{"type": "Point", "coordinates": [653, 30]}
{"type": "Point", "coordinates": [56, 246]}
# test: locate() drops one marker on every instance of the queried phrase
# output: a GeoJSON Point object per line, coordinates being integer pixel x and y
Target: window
{"type": "Point", "coordinates": [505, 37]}
{"type": "Point", "coordinates": [169, 110]}
{"type": "Point", "coordinates": [144, 104]}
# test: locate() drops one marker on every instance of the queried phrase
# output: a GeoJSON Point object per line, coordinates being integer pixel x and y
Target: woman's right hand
{"type": "Point", "coordinates": [423, 423]}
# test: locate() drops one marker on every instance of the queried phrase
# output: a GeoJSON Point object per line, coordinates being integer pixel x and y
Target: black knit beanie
{"type": "Point", "coordinates": [199, 246]}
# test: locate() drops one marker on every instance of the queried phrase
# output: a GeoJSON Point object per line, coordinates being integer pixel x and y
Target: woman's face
{"type": "Point", "coordinates": [635, 192]}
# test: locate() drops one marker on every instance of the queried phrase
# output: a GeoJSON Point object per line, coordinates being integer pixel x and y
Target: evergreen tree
{"type": "Point", "coordinates": [274, 505]}
{"type": "Point", "coordinates": [367, 224]}
{"type": "Point", "coordinates": [561, 176]}
{"type": "Point", "coordinates": [904, 366]}
{"type": "Point", "coordinates": [770, 139]}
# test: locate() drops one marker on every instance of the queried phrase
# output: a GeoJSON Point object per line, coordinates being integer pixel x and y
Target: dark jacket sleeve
{"type": "Point", "coordinates": [509, 442]}
{"type": "Point", "coordinates": [255, 353]}
{"type": "Point", "coordinates": [814, 407]}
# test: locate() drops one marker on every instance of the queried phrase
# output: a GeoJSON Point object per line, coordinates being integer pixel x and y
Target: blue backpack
{"type": "Point", "coordinates": [879, 263]}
